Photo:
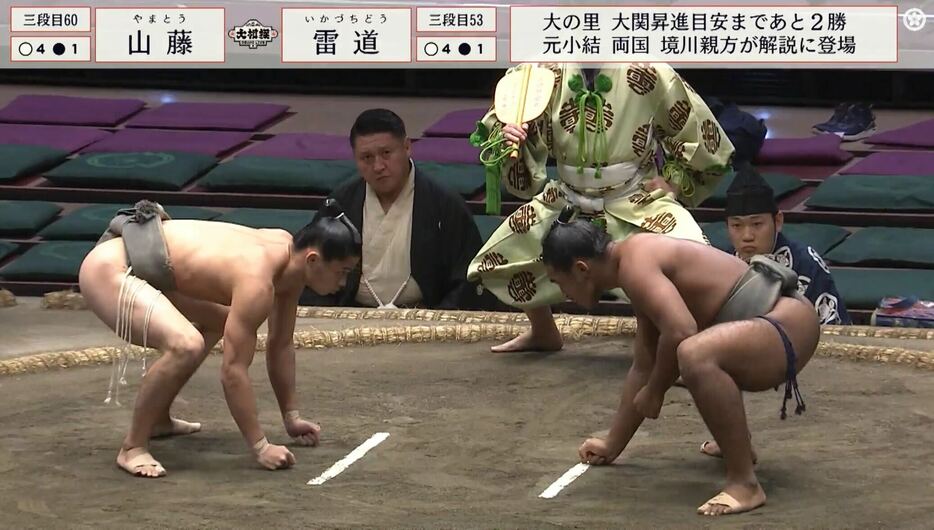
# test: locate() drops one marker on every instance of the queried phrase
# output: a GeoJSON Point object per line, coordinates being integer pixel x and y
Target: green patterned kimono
{"type": "Point", "coordinates": [603, 161]}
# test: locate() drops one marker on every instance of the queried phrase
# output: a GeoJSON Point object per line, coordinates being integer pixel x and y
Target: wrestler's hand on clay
{"type": "Point", "coordinates": [303, 432]}
{"type": "Point", "coordinates": [597, 452]}
{"type": "Point", "coordinates": [516, 134]}
{"type": "Point", "coordinates": [659, 182]}
{"type": "Point", "coordinates": [648, 402]}
{"type": "Point", "coordinates": [275, 457]}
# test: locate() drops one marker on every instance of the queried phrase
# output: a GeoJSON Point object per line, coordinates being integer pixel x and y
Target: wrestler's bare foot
{"type": "Point", "coordinates": [712, 448]}
{"type": "Point", "coordinates": [139, 463]}
{"type": "Point", "coordinates": [735, 498]}
{"type": "Point", "coordinates": [174, 427]}
{"type": "Point", "coordinates": [527, 341]}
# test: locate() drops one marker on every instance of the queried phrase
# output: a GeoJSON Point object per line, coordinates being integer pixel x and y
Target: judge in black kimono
{"type": "Point", "coordinates": [418, 236]}
{"type": "Point", "coordinates": [754, 225]}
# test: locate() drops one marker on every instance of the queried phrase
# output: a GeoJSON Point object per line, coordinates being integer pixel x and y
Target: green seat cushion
{"type": "Point", "coordinates": [89, 222]}
{"type": "Point", "coordinates": [874, 192]}
{"type": "Point", "coordinates": [898, 247]}
{"type": "Point", "coordinates": [25, 218]}
{"type": "Point", "coordinates": [487, 224]}
{"type": "Point", "coordinates": [263, 173]}
{"type": "Point", "coordinates": [289, 220]}
{"type": "Point", "coordinates": [48, 261]}
{"type": "Point", "coordinates": [465, 179]}
{"type": "Point", "coordinates": [7, 248]}
{"type": "Point", "coordinates": [152, 171]}
{"type": "Point", "coordinates": [23, 160]}
{"type": "Point", "coordinates": [781, 183]}
{"type": "Point", "coordinates": [718, 235]}
{"type": "Point", "coordinates": [864, 288]}
{"type": "Point", "coordinates": [821, 237]}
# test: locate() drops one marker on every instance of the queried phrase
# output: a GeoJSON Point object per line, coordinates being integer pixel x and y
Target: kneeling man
{"type": "Point", "coordinates": [725, 325]}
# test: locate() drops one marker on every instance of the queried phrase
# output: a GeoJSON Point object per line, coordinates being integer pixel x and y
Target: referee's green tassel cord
{"type": "Point", "coordinates": [493, 152]}
{"type": "Point", "coordinates": [596, 153]}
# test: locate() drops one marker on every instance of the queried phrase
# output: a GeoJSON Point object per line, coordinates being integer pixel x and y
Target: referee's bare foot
{"type": "Point", "coordinates": [529, 341]}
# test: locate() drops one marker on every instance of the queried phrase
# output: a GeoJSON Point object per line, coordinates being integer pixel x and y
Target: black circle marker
{"type": "Point", "coordinates": [59, 48]}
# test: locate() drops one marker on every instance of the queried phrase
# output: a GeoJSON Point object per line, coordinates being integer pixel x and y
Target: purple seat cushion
{"type": "Point", "coordinates": [69, 110]}
{"type": "Point", "coordinates": [823, 149]}
{"type": "Point", "coordinates": [456, 124]}
{"type": "Point", "coordinates": [805, 172]}
{"type": "Point", "coordinates": [445, 150]}
{"type": "Point", "coordinates": [61, 137]}
{"type": "Point", "coordinates": [142, 140]}
{"type": "Point", "coordinates": [904, 163]}
{"type": "Point", "coordinates": [303, 146]}
{"type": "Point", "coordinates": [211, 116]}
{"type": "Point", "coordinates": [917, 135]}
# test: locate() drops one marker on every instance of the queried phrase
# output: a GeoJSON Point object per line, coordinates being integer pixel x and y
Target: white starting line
{"type": "Point", "coordinates": [550, 492]}
{"type": "Point", "coordinates": [566, 479]}
{"type": "Point", "coordinates": [345, 462]}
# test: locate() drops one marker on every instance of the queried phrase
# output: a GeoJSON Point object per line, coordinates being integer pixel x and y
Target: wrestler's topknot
{"type": "Point", "coordinates": [568, 241]}
{"type": "Point", "coordinates": [566, 215]}
{"type": "Point", "coordinates": [331, 232]}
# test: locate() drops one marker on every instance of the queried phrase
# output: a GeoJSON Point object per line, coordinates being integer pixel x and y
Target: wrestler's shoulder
{"type": "Point", "coordinates": [210, 235]}
{"type": "Point", "coordinates": [640, 239]}
{"type": "Point", "coordinates": [200, 228]}
{"type": "Point", "coordinates": [647, 249]}
{"type": "Point", "coordinates": [637, 247]}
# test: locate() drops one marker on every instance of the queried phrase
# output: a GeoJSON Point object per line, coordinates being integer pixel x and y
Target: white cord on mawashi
{"type": "Point", "coordinates": [130, 287]}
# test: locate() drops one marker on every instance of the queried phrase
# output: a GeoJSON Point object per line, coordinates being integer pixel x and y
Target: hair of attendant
{"type": "Point", "coordinates": [376, 121]}
{"type": "Point", "coordinates": [566, 243]}
{"type": "Point", "coordinates": [331, 234]}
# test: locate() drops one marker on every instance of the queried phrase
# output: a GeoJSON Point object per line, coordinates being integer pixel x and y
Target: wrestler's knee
{"type": "Point", "coordinates": [694, 357]}
{"type": "Point", "coordinates": [186, 349]}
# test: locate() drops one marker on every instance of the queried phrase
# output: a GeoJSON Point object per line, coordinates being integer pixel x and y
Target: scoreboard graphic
{"type": "Point", "coordinates": [424, 34]}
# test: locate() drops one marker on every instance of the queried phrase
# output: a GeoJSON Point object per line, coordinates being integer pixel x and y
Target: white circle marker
{"type": "Point", "coordinates": [345, 462]}
{"type": "Point", "coordinates": [25, 49]}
